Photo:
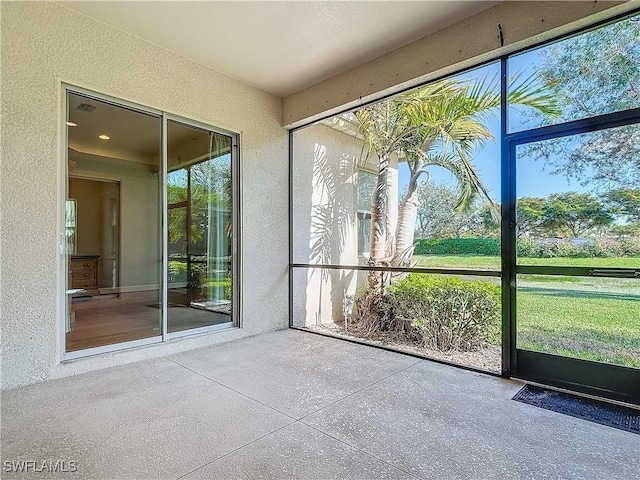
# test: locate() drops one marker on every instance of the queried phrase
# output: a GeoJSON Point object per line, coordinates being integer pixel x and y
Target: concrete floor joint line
{"type": "Point", "coordinates": [234, 390]}
{"type": "Point", "coordinates": [237, 448]}
{"type": "Point", "coordinates": [369, 454]}
{"type": "Point", "coordinates": [361, 389]}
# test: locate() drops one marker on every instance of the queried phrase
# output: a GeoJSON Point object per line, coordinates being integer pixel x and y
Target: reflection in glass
{"type": "Point", "coordinates": [580, 317]}
{"type": "Point", "coordinates": [70, 224]}
{"type": "Point", "coordinates": [199, 227]}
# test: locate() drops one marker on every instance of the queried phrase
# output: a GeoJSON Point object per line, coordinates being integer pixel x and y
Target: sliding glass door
{"type": "Point", "coordinates": [199, 227]}
{"type": "Point", "coordinates": [149, 226]}
{"type": "Point", "coordinates": [113, 225]}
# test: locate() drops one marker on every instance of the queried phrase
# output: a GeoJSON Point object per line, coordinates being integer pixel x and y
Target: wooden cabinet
{"type": "Point", "coordinates": [83, 273]}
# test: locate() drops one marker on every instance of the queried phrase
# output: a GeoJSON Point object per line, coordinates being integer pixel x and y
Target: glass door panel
{"type": "Point", "coordinates": [178, 231]}
{"type": "Point", "coordinates": [578, 257]}
{"type": "Point", "coordinates": [112, 224]}
{"type": "Point", "coordinates": [199, 228]}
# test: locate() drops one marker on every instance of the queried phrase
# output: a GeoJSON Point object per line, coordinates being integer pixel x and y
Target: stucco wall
{"type": "Point", "coordinates": [325, 178]}
{"type": "Point", "coordinates": [462, 45]}
{"type": "Point", "coordinates": [44, 44]}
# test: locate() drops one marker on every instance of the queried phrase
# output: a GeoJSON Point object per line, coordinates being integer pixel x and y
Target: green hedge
{"type": "Point", "coordinates": [598, 248]}
{"type": "Point", "coordinates": [447, 313]}
{"type": "Point", "coordinates": [178, 274]}
{"type": "Point", "coordinates": [531, 247]}
{"type": "Point", "coordinates": [458, 246]}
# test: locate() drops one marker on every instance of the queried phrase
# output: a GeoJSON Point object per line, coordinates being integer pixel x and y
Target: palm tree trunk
{"type": "Point", "coordinates": [379, 226]}
{"type": "Point", "coordinates": [379, 214]}
{"type": "Point", "coordinates": [407, 215]}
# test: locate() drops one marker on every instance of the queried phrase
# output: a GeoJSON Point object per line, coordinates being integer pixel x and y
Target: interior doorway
{"type": "Point", "coordinates": [96, 232]}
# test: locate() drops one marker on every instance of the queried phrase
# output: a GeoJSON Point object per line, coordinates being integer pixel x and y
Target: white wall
{"type": "Point", "coordinates": [462, 45]}
{"type": "Point", "coordinates": [326, 162]}
{"type": "Point", "coordinates": [324, 215]}
{"type": "Point", "coordinates": [44, 44]}
{"type": "Point", "coordinates": [139, 217]}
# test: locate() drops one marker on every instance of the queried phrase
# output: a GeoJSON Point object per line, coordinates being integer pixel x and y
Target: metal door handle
{"type": "Point", "coordinates": [596, 272]}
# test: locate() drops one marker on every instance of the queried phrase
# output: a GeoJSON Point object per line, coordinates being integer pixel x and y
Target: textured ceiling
{"type": "Point", "coordinates": [280, 47]}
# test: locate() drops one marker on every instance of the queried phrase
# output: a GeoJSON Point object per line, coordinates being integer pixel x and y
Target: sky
{"type": "Point", "coordinates": [534, 177]}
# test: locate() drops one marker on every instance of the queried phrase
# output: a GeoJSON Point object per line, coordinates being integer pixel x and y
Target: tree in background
{"type": "Point", "coordinates": [575, 213]}
{"type": "Point", "coordinates": [590, 74]}
{"type": "Point", "coordinates": [437, 215]}
{"type": "Point", "coordinates": [490, 222]}
{"type": "Point", "coordinates": [624, 202]}
{"type": "Point", "coordinates": [441, 125]}
{"type": "Point", "coordinates": [530, 215]}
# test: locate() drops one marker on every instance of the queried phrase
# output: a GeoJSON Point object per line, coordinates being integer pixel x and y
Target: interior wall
{"type": "Point", "coordinates": [44, 44]}
{"type": "Point", "coordinates": [139, 217]}
{"type": "Point", "coordinates": [96, 232]}
{"type": "Point", "coordinates": [89, 220]}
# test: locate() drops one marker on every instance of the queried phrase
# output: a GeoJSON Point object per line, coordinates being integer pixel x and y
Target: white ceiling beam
{"type": "Point", "coordinates": [464, 44]}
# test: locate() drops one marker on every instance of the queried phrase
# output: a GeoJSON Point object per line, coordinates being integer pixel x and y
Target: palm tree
{"type": "Point", "coordinates": [439, 125]}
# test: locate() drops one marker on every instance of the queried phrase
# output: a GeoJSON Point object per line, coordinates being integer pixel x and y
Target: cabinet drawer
{"type": "Point", "coordinates": [86, 284]}
{"type": "Point", "coordinates": [83, 273]}
{"type": "Point", "coordinates": [80, 274]}
{"type": "Point", "coordinates": [83, 264]}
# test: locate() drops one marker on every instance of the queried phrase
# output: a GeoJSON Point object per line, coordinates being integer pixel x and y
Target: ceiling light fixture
{"type": "Point", "coordinates": [635, 19]}
{"type": "Point", "coordinates": [72, 124]}
{"type": "Point", "coordinates": [104, 137]}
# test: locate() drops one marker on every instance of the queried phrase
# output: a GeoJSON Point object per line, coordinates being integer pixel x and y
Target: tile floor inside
{"type": "Point", "coordinates": [290, 404]}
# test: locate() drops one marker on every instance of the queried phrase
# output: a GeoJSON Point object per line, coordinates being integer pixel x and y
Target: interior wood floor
{"type": "Point", "coordinates": [110, 319]}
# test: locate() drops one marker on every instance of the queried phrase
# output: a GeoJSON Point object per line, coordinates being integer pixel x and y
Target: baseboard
{"type": "Point", "coordinates": [135, 288]}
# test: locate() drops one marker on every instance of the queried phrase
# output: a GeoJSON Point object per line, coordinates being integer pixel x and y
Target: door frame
{"type": "Point", "coordinates": [84, 175]}
{"type": "Point", "coordinates": [589, 377]}
{"type": "Point", "coordinates": [63, 271]}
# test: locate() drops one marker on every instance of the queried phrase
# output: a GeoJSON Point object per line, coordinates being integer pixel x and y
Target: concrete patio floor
{"type": "Point", "coordinates": [295, 405]}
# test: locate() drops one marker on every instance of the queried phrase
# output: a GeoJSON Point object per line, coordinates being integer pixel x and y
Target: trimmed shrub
{"type": "Point", "coordinates": [581, 248]}
{"type": "Point", "coordinates": [546, 248]}
{"type": "Point", "coordinates": [533, 247]}
{"type": "Point", "coordinates": [458, 246]}
{"type": "Point", "coordinates": [527, 247]}
{"type": "Point", "coordinates": [446, 313]}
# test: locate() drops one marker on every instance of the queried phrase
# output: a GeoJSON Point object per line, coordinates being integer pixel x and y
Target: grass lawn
{"type": "Point", "coordinates": [584, 317]}
{"type": "Point", "coordinates": [479, 262]}
{"type": "Point", "coordinates": [589, 324]}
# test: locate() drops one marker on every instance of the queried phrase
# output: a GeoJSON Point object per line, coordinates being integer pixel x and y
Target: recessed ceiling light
{"type": "Point", "coordinates": [72, 124]}
{"type": "Point", "coordinates": [635, 19]}
{"type": "Point", "coordinates": [104, 137]}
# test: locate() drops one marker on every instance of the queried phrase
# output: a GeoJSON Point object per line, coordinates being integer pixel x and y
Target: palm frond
{"type": "Point", "coordinates": [531, 93]}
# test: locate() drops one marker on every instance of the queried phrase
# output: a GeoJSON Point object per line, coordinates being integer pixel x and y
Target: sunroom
{"type": "Point", "coordinates": [452, 183]}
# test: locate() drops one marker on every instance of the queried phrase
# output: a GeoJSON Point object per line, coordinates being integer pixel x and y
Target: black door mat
{"type": "Point", "coordinates": [611, 415]}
